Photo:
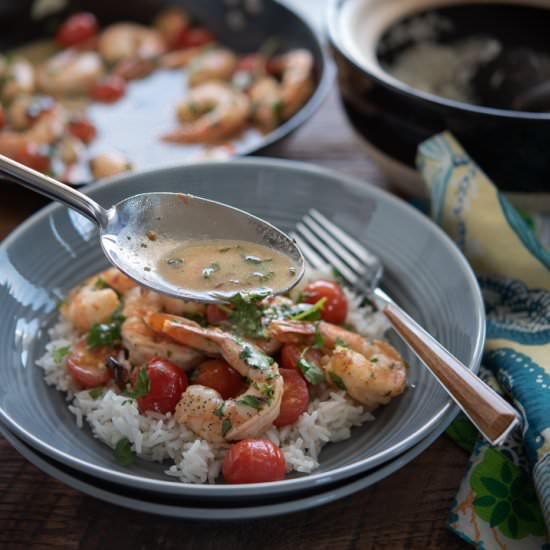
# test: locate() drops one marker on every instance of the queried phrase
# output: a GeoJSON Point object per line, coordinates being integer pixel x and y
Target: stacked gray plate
{"type": "Point", "coordinates": [425, 273]}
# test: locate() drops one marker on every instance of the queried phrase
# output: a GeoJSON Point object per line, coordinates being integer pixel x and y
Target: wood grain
{"type": "Point", "coordinates": [408, 510]}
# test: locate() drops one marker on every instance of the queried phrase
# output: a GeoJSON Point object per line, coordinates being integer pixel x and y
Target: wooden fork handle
{"type": "Point", "coordinates": [493, 416]}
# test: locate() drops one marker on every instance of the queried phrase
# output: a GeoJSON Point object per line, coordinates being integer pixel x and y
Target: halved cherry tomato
{"type": "Point", "coordinates": [215, 314]}
{"type": "Point", "coordinates": [82, 128]}
{"type": "Point", "coordinates": [77, 28]}
{"type": "Point", "coordinates": [336, 306]}
{"type": "Point", "coordinates": [34, 156]}
{"type": "Point", "coordinates": [254, 461]}
{"type": "Point", "coordinates": [2, 117]}
{"type": "Point", "coordinates": [291, 353]}
{"type": "Point", "coordinates": [167, 383]}
{"type": "Point", "coordinates": [295, 398]}
{"type": "Point", "coordinates": [217, 374]}
{"type": "Point", "coordinates": [87, 366]}
{"type": "Point", "coordinates": [109, 89]}
{"type": "Point", "coordinates": [191, 38]}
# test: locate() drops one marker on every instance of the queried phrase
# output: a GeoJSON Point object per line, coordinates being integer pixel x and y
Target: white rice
{"type": "Point", "coordinates": [157, 437]}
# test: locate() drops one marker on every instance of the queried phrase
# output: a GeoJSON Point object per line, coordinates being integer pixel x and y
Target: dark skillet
{"type": "Point", "coordinates": [18, 27]}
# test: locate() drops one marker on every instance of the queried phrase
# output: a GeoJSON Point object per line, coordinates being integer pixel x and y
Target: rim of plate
{"type": "Point", "coordinates": [286, 485]}
{"type": "Point", "coordinates": [230, 513]}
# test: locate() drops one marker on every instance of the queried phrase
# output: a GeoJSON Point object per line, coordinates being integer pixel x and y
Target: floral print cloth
{"type": "Point", "coordinates": [504, 499]}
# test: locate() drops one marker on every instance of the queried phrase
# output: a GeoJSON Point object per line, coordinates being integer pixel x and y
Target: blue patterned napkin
{"type": "Point", "coordinates": [504, 499]}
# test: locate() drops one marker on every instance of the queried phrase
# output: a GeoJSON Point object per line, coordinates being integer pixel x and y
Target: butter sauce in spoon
{"type": "Point", "coordinates": [181, 245]}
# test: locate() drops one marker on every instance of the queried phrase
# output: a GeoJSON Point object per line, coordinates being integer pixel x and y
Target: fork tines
{"type": "Point", "coordinates": [323, 242]}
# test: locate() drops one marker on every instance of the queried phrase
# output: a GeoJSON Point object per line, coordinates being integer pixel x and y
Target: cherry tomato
{"type": "Point", "coordinates": [217, 374]}
{"type": "Point", "coordinates": [167, 383]}
{"type": "Point", "coordinates": [251, 63]}
{"type": "Point", "coordinates": [109, 89]}
{"type": "Point", "coordinates": [2, 117]}
{"type": "Point", "coordinates": [215, 314]}
{"type": "Point", "coordinates": [191, 38]}
{"type": "Point", "coordinates": [336, 306]}
{"type": "Point", "coordinates": [254, 461]}
{"type": "Point", "coordinates": [295, 398]}
{"type": "Point", "coordinates": [88, 366]}
{"type": "Point", "coordinates": [77, 28]}
{"type": "Point", "coordinates": [291, 353]}
{"type": "Point", "coordinates": [82, 128]}
{"type": "Point", "coordinates": [34, 156]}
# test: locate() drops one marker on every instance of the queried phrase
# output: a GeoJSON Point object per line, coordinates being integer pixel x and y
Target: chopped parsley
{"type": "Point", "coordinates": [224, 250]}
{"type": "Point", "coordinates": [142, 386]}
{"type": "Point", "coordinates": [219, 410]}
{"type": "Point", "coordinates": [226, 426]}
{"type": "Point", "coordinates": [264, 277]}
{"type": "Point", "coordinates": [338, 382]}
{"type": "Point", "coordinates": [251, 401]}
{"type": "Point", "coordinates": [311, 313]}
{"type": "Point", "coordinates": [100, 283]}
{"type": "Point", "coordinates": [267, 390]}
{"type": "Point", "coordinates": [123, 452]}
{"type": "Point", "coordinates": [59, 354]}
{"type": "Point", "coordinates": [319, 340]}
{"type": "Point", "coordinates": [106, 334]}
{"type": "Point", "coordinates": [337, 276]}
{"type": "Point", "coordinates": [246, 316]}
{"type": "Point", "coordinates": [174, 261]}
{"type": "Point", "coordinates": [209, 270]}
{"type": "Point", "coordinates": [96, 392]}
{"type": "Point", "coordinates": [253, 357]}
{"type": "Point", "coordinates": [312, 373]}
{"type": "Point", "coordinates": [373, 359]}
{"type": "Point", "coordinates": [341, 343]}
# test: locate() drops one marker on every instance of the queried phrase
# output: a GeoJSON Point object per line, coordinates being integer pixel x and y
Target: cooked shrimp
{"type": "Point", "coordinates": [25, 110]}
{"type": "Point", "coordinates": [109, 164]}
{"type": "Point", "coordinates": [211, 112]}
{"type": "Point", "coordinates": [141, 341]}
{"type": "Point", "coordinates": [117, 280]}
{"type": "Point", "coordinates": [267, 103]}
{"type": "Point", "coordinates": [47, 129]}
{"type": "Point", "coordinates": [70, 149]}
{"type": "Point", "coordinates": [69, 72]}
{"type": "Point", "coordinates": [202, 409]}
{"type": "Point", "coordinates": [18, 78]}
{"type": "Point", "coordinates": [218, 64]}
{"type": "Point", "coordinates": [129, 41]}
{"type": "Point", "coordinates": [296, 70]}
{"type": "Point", "coordinates": [372, 372]}
{"type": "Point", "coordinates": [371, 381]}
{"type": "Point", "coordinates": [180, 58]}
{"type": "Point", "coordinates": [89, 304]}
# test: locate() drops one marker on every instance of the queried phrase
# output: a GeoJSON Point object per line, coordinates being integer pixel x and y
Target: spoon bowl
{"type": "Point", "coordinates": [136, 232]}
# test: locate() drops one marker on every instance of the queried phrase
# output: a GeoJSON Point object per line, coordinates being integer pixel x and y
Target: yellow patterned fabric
{"type": "Point", "coordinates": [496, 506]}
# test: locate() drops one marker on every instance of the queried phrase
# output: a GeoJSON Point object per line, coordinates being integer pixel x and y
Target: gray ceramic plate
{"type": "Point", "coordinates": [56, 249]}
{"type": "Point", "coordinates": [185, 509]}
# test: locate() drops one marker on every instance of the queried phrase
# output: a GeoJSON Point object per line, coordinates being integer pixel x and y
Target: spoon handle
{"type": "Point", "coordinates": [54, 190]}
{"type": "Point", "coordinates": [492, 415]}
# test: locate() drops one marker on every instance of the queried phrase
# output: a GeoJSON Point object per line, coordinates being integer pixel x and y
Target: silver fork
{"type": "Point", "coordinates": [322, 242]}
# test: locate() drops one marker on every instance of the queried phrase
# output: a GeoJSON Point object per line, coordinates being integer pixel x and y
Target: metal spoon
{"type": "Point", "coordinates": [133, 231]}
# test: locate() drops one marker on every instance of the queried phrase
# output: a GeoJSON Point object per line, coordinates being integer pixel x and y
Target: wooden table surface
{"type": "Point", "coordinates": [407, 510]}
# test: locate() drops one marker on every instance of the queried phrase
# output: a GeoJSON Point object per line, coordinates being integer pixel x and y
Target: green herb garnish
{"type": "Point", "coordinates": [253, 357]}
{"type": "Point", "coordinates": [338, 382]}
{"type": "Point", "coordinates": [208, 271]}
{"type": "Point", "coordinates": [59, 354]}
{"type": "Point", "coordinates": [267, 390]}
{"type": "Point", "coordinates": [251, 401]}
{"type": "Point", "coordinates": [341, 343]}
{"type": "Point", "coordinates": [319, 340]}
{"type": "Point", "coordinates": [373, 359]}
{"type": "Point", "coordinates": [100, 283]}
{"type": "Point", "coordinates": [94, 393]}
{"type": "Point", "coordinates": [312, 373]}
{"type": "Point", "coordinates": [106, 334]}
{"type": "Point", "coordinates": [224, 250]}
{"type": "Point", "coordinates": [337, 276]}
{"type": "Point", "coordinates": [264, 277]}
{"type": "Point", "coordinates": [123, 452]}
{"type": "Point", "coordinates": [246, 316]}
{"type": "Point", "coordinates": [174, 261]}
{"type": "Point", "coordinates": [219, 410]}
{"type": "Point", "coordinates": [311, 313]}
{"type": "Point", "coordinates": [142, 386]}
{"type": "Point", "coordinates": [226, 426]}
